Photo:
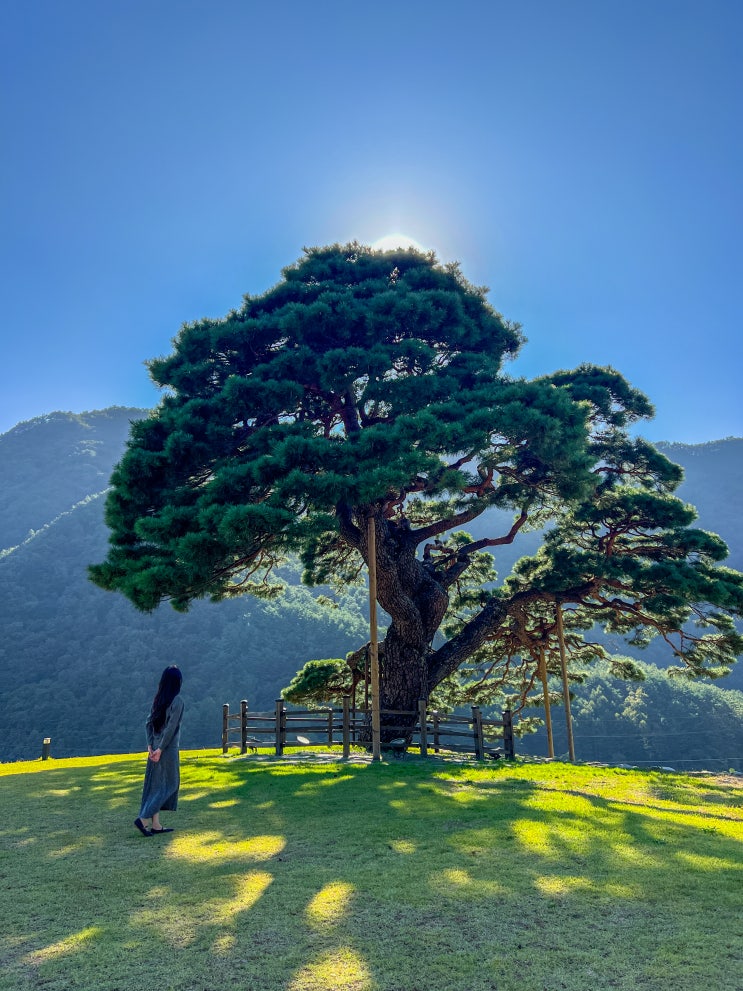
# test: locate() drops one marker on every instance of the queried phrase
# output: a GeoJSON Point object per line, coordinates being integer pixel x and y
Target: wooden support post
{"type": "Point", "coordinates": [477, 731]}
{"type": "Point", "coordinates": [565, 685]}
{"type": "Point", "coordinates": [346, 727]}
{"type": "Point", "coordinates": [436, 736]}
{"type": "Point", "coordinates": [422, 716]}
{"type": "Point", "coordinates": [373, 646]}
{"type": "Point", "coordinates": [508, 747]}
{"type": "Point", "coordinates": [225, 728]}
{"type": "Point", "coordinates": [243, 726]}
{"type": "Point", "coordinates": [280, 727]}
{"type": "Point", "coordinates": [547, 709]}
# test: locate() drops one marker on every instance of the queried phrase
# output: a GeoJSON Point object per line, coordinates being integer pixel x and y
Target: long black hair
{"type": "Point", "coordinates": [170, 685]}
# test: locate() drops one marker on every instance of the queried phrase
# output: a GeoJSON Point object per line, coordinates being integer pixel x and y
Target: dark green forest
{"type": "Point", "coordinates": [53, 462]}
{"type": "Point", "coordinates": [80, 665]}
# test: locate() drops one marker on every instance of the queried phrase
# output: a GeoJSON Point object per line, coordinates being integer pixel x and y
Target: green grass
{"type": "Point", "coordinates": [404, 876]}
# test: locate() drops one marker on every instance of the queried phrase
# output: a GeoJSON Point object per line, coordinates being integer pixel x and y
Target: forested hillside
{"type": "Point", "coordinates": [713, 482]}
{"type": "Point", "coordinates": [51, 463]}
{"type": "Point", "coordinates": [80, 665]}
{"type": "Point", "coordinates": [661, 720]}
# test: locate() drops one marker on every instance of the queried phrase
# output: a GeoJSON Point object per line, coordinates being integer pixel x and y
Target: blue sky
{"type": "Point", "coordinates": [583, 159]}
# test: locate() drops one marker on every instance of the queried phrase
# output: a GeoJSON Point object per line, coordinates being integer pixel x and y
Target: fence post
{"type": "Point", "coordinates": [330, 725]}
{"type": "Point", "coordinates": [477, 731]}
{"type": "Point", "coordinates": [225, 727]}
{"type": "Point", "coordinates": [280, 727]}
{"type": "Point", "coordinates": [424, 727]}
{"type": "Point", "coordinates": [436, 738]}
{"type": "Point", "coordinates": [508, 747]}
{"type": "Point", "coordinates": [244, 726]}
{"type": "Point", "coordinates": [346, 727]}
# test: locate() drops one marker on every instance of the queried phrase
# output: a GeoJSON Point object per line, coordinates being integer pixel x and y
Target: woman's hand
{"type": "Point", "coordinates": [155, 755]}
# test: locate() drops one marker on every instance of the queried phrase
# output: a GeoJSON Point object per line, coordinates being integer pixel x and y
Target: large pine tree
{"type": "Point", "coordinates": [371, 383]}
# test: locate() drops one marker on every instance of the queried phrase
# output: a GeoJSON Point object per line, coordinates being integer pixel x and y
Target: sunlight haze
{"type": "Point", "coordinates": [580, 159]}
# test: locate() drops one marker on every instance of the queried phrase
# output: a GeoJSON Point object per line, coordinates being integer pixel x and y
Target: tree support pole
{"type": "Point", "coordinates": [373, 644]}
{"type": "Point", "coordinates": [565, 686]}
{"type": "Point", "coordinates": [547, 709]}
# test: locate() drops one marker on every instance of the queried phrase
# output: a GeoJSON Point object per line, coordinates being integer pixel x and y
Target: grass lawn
{"type": "Point", "coordinates": [405, 876]}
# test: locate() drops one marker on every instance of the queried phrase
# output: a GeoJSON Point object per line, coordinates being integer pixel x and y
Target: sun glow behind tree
{"type": "Point", "coordinates": [391, 242]}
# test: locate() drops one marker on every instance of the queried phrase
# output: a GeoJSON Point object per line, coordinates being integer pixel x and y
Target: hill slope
{"type": "Point", "coordinates": [80, 665]}
{"type": "Point", "coordinates": [713, 482]}
{"type": "Point", "coordinates": [53, 462]}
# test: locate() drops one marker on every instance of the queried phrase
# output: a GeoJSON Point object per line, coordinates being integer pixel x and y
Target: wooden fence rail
{"type": "Point", "coordinates": [429, 730]}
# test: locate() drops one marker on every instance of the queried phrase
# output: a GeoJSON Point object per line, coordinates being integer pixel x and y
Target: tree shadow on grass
{"type": "Point", "coordinates": [404, 876]}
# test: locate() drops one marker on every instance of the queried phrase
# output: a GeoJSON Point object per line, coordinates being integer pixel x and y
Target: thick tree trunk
{"type": "Point", "coordinates": [416, 604]}
{"type": "Point", "coordinates": [403, 681]}
{"type": "Point", "coordinates": [416, 601]}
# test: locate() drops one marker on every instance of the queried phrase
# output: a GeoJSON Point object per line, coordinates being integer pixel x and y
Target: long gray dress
{"type": "Point", "coordinates": [162, 779]}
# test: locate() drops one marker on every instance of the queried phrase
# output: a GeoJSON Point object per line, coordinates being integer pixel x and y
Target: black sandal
{"type": "Point", "coordinates": [142, 828]}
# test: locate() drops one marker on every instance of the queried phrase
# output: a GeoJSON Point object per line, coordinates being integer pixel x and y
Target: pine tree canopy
{"type": "Point", "coordinates": [373, 383]}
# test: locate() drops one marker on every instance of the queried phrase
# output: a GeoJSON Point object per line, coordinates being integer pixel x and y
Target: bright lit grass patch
{"type": "Point", "coordinates": [64, 947]}
{"type": "Point", "coordinates": [341, 970]}
{"type": "Point", "coordinates": [212, 847]}
{"type": "Point", "coordinates": [330, 905]}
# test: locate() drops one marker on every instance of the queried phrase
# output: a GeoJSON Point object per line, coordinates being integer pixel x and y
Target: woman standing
{"type": "Point", "coordinates": [163, 775]}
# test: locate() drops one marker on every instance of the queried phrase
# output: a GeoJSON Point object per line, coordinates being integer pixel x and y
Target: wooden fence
{"type": "Point", "coordinates": [431, 731]}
